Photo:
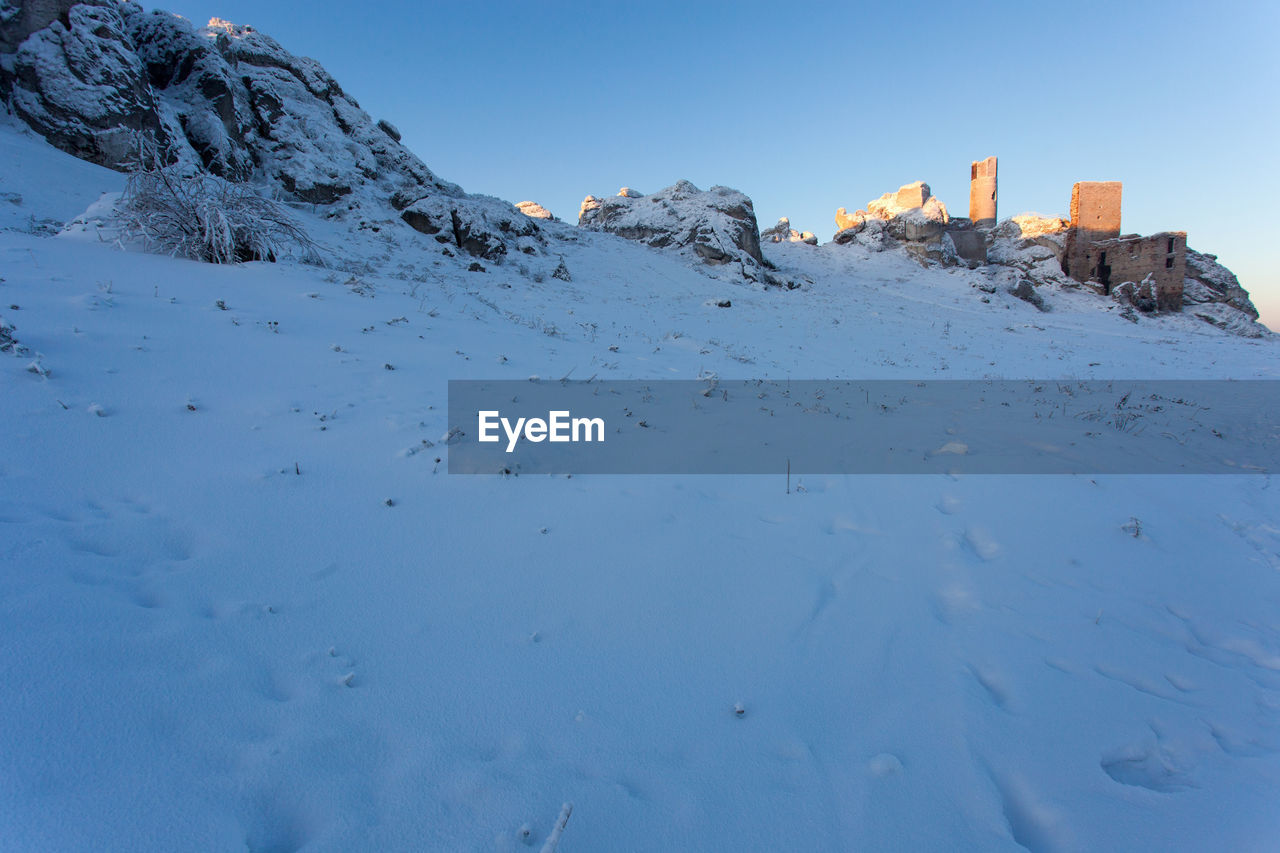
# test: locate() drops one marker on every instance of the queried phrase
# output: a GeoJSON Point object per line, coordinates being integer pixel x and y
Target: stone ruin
{"type": "Point", "coordinates": [1147, 271]}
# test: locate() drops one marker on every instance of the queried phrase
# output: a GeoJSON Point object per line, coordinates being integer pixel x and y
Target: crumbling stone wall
{"type": "Point", "coordinates": [1161, 256]}
{"type": "Point", "coordinates": [982, 193]}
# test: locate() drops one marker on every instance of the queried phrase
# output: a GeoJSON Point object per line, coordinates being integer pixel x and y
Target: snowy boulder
{"type": "Point", "coordinates": [784, 233]}
{"type": "Point", "coordinates": [717, 227]}
{"type": "Point", "coordinates": [79, 83]}
{"type": "Point", "coordinates": [871, 234]}
{"type": "Point", "coordinates": [1029, 238]}
{"type": "Point", "coordinates": [389, 129]}
{"type": "Point", "coordinates": [1027, 292]}
{"type": "Point", "coordinates": [534, 210]}
{"type": "Point", "coordinates": [480, 226]}
{"type": "Point", "coordinates": [1141, 294]}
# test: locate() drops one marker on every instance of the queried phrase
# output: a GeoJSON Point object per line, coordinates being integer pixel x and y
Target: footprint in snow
{"type": "Point", "coordinates": [981, 543]}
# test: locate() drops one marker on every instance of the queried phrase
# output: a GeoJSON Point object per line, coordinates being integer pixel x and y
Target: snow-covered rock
{"type": "Point", "coordinates": [480, 226]}
{"type": "Point", "coordinates": [101, 78]}
{"type": "Point", "coordinates": [716, 227]}
{"type": "Point", "coordinates": [1209, 281]}
{"type": "Point", "coordinates": [919, 224]}
{"type": "Point", "coordinates": [784, 233]}
{"type": "Point", "coordinates": [907, 197]}
{"type": "Point", "coordinates": [846, 221]}
{"type": "Point", "coordinates": [224, 98]}
{"type": "Point", "coordinates": [80, 84]}
{"type": "Point", "coordinates": [534, 210]}
{"type": "Point", "coordinates": [912, 213]}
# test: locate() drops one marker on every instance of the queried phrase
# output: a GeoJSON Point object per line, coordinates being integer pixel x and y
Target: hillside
{"type": "Point", "coordinates": [245, 607]}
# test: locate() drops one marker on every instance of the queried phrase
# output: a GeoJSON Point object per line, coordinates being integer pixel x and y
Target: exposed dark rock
{"type": "Point", "coordinates": [480, 226]}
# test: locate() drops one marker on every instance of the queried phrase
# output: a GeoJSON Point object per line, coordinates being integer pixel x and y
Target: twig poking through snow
{"type": "Point", "coordinates": [553, 840]}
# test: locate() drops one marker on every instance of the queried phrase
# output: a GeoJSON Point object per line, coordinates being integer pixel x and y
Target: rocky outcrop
{"type": "Point", "coordinates": [534, 210]}
{"type": "Point", "coordinates": [716, 228]}
{"type": "Point", "coordinates": [104, 79]}
{"type": "Point", "coordinates": [846, 220]}
{"type": "Point", "coordinates": [1208, 281]}
{"type": "Point", "coordinates": [912, 214]}
{"type": "Point", "coordinates": [784, 233]}
{"type": "Point", "coordinates": [79, 82]}
{"type": "Point", "coordinates": [482, 227]}
{"type": "Point", "coordinates": [224, 99]}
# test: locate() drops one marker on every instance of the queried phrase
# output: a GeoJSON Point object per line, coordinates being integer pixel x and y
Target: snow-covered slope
{"type": "Point", "coordinates": [243, 607]}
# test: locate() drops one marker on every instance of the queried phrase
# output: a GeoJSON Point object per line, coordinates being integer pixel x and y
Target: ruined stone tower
{"type": "Point", "coordinates": [1095, 216]}
{"type": "Point", "coordinates": [1095, 208]}
{"type": "Point", "coordinates": [982, 193]}
{"type": "Point", "coordinates": [1152, 267]}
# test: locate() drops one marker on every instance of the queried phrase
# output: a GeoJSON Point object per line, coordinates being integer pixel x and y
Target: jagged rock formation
{"type": "Point", "coordinates": [1210, 282]}
{"type": "Point", "coordinates": [534, 210]}
{"type": "Point", "coordinates": [480, 226]}
{"type": "Point", "coordinates": [912, 215]}
{"type": "Point", "coordinates": [1213, 293]}
{"type": "Point", "coordinates": [716, 227]}
{"type": "Point", "coordinates": [845, 220]}
{"type": "Point", "coordinates": [784, 233]}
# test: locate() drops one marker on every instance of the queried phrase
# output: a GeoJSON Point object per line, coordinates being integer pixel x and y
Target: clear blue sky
{"type": "Point", "coordinates": [807, 108]}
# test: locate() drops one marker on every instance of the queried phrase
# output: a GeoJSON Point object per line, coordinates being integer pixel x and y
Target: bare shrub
{"type": "Point", "coordinates": [206, 218]}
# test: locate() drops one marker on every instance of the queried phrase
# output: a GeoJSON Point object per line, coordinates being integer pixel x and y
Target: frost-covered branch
{"type": "Point", "coordinates": [553, 840]}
